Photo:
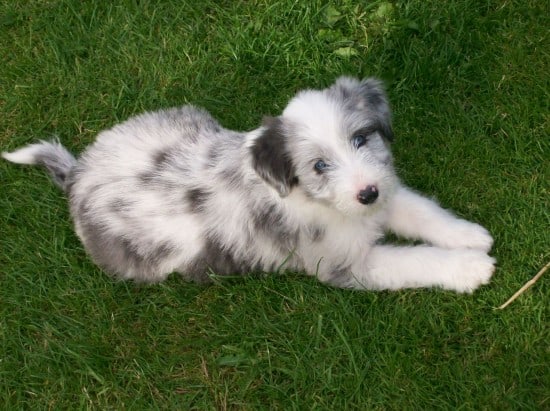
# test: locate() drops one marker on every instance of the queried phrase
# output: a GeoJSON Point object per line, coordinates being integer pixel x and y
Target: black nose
{"type": "Point", "coordinates": [368, 195]}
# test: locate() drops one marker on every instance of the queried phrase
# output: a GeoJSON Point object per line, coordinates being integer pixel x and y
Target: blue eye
{"type": "Point", "coordinates": [359, 140]}
{"type": "Point", "coordinates": [320, 166]}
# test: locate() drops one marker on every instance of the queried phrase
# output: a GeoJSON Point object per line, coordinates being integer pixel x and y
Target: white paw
{"type": "Point", "coordinates": [468, 270]}
{"type": "Point", "coordinates": [464, 234]}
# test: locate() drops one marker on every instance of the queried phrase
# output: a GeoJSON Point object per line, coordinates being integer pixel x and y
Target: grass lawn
{"type": "Point", "coordinates": [469, 84]}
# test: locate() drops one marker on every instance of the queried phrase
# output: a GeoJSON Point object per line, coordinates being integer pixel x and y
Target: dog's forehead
{"type": "Point", "coordinates": [324, 117]}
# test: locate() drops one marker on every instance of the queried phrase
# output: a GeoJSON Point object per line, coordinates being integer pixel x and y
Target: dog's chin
{"type": "Point", "coordinates": [361, 210]}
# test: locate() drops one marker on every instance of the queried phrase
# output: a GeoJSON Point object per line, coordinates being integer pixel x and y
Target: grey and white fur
{"type": "Point", "coordinates": [312, 190]}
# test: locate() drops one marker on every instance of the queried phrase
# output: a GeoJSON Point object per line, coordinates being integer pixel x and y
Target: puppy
{"type": "Point", "coordinates": [313, 190]}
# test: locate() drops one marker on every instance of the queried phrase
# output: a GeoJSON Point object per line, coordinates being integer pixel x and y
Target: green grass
{"type": "Point", "coordinates": [470, 89]}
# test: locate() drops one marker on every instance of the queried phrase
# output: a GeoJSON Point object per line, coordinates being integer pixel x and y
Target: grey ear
{"type": "Point", "coordinates": [376, 99]}
{"type": "Point", "coordinates": [369, 94]}
{"type": "Point", "coordinates": [271, 158]}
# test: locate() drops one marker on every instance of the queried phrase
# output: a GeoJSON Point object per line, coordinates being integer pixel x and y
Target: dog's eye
{"type": "Point", "coordinates": [320, 166]}
{"type": "Point", "coordinates": [359, 140]}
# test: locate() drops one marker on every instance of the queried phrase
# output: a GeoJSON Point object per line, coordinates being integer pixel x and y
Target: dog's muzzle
{"type": "Point", "coordinates": [368, 195]}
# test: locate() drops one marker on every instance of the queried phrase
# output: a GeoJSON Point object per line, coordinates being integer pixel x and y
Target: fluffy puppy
{"type": "Point", "coordinates": [312, 190]}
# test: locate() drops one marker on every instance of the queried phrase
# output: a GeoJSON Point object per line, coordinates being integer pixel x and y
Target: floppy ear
{"type": "Point", "coordinates": [366, 94]}
{"type": "Point", "coordinates": [271, 158]}
{"type": "Point", "coordinates": [374, 95]}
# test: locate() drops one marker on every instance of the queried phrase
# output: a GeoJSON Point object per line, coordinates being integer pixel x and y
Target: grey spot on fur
{"type": "Point", "coordinates": [146, 178]}
{"type": "Point", "coordinates": [340, 90]}
{"type": "Point", "coordinates": [373, 94]}
{"type": "Point", "coordinates": [232, 175]}
{"type": "Point", "coordinates": [121, 205]}
{"type": "Point", "coordinates": [214, 153]}
{"type": "Point", "coordinates": [84, 208]}
{"type": "Point", "coordinates": [196, 198]}
{"type": "Point", "coordinates": [153, 180]}
{"type": "Point", "coordinates": [270, 221]}
{"type": "Point", "coordinates": [219, 260]}
{"type": "Point", "coordinates": [315, 233]}
{"type": "Point", "coordinates": [340, 277]}
{"type": "Point", "coordinates": [128, 250]}
{"type": "Point", "coordinates": [147, 262]}
{"type": "Point", "coordinates": [160, 252]}
{"type": "Point", "coordinates": [160, 158]}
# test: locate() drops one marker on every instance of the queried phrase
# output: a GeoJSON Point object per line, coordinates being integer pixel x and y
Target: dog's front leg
{"type": "Point", "coordinates": [394, 268]}
{"type": "Point", "coordinates": [414, 216]}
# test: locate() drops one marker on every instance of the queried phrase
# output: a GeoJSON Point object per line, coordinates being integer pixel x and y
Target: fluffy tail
{"type": "Point", "coordinates": [51, 155]}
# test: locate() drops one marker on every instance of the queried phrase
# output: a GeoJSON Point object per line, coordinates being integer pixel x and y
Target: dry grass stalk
{"type": "Point", "coordinates": [525, 286]}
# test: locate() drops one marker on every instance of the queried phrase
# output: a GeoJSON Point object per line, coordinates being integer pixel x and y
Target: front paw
{"type": "Point", "coordinates": [468, 270]}
{"type": "Point", "coordinates": [464, 234]}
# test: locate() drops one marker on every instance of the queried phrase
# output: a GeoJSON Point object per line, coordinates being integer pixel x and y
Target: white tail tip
{"type": "Point", "coordinates": [25, 155]}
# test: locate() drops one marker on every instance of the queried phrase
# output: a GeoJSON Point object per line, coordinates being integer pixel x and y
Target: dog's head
{"type": "Point", "coordinates": [332, 144]}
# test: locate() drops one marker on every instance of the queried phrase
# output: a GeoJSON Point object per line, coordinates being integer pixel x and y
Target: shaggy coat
{"type": "Point", "coordinates": [311, 190]}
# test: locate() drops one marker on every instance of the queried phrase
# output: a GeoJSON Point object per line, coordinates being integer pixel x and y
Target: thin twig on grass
{"type": "Point", "coordinates": [525, 286]}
